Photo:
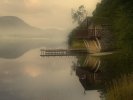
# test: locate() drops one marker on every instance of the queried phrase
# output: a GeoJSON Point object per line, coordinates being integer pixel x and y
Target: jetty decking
{"type": "Point", "coordinates": [62, 52]}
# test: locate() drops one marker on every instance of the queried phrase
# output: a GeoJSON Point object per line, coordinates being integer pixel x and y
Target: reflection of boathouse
{"type": "Point", "coordinates": [95, 34]}
{"type": "Point", "coordinates": [88, 79]}
{"type": "Point", "coordinates": [89, 72]}
{"type": "Point", "coordinates": [92, 62]}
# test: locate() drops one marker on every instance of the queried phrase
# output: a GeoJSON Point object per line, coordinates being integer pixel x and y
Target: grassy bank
{"type": "Point", "coordinates": [77, 44]}
{"type": "Point", "coordinates": [121, 89]}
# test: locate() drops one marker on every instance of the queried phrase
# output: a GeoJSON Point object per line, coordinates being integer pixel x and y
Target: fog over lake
{"type": "Point", "coordinates": [16, 37]}
{"type": "Point", "coordinates": [31, 77]}
{"type": "Point", "coordinates": [15, 47]}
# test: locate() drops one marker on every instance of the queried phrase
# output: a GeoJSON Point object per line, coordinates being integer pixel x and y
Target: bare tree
{"type": "Point", "coordinates": [79, 15]}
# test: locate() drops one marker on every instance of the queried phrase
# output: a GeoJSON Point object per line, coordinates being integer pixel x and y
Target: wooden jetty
{"type": "Point", "coordinates": [62, 52]}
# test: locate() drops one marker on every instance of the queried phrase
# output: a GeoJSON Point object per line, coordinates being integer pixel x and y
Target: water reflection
{"type": "Point", "coordinates": [31, 77]}
{"type": "Point", "coordinates": [88, 79]}
{"type": "Point", "coordinates": [108, 74]}
{"type": "Point", "coordinates": [32, 71]}
{"type": "Point", "coordinates": [88, 72]}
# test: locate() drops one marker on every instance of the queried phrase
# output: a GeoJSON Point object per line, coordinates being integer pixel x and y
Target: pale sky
{"type": "Point", "coordinates": [45, 13]}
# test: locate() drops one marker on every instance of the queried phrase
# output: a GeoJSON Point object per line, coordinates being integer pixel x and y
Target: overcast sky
{"type": "Point", "coordinates": [45, 13]}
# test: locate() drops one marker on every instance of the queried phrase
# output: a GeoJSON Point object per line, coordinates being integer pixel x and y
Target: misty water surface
{"type": "Point", "coordinates": [12, 47]}
{"type": "Point", "coordinates": [31, 77]}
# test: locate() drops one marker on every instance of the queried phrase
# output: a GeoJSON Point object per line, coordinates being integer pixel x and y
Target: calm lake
{"type": "Point", "coordinates": [24, 75]}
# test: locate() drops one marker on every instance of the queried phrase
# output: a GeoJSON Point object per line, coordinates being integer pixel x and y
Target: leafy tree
{"type": "Point", "coordinates": [120, 14]}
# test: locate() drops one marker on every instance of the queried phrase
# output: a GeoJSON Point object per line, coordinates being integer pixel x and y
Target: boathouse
{"type": "Point", "coordinates": [95, 34]}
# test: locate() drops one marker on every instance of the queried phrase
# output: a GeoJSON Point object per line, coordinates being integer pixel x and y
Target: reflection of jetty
{"type": "Point", "coordinates": [62, 52]}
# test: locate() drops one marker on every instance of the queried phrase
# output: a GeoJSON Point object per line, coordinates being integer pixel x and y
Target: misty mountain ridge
{"type": "Point", "coordinates": [12, 26]}
{"type": "Point", "coordinates": [11, 21]}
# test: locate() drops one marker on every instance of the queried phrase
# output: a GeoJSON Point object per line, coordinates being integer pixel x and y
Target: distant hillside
{"type": "Point", "coordinates": [12, 21]}
{"type": "Point", "coordinates": [12, 26]}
